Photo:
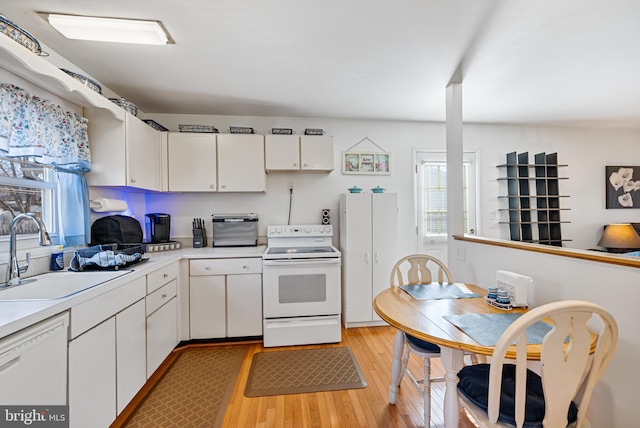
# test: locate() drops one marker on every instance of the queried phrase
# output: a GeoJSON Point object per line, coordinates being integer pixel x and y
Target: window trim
{"type": "Point", "coordinates": [470, 157]}
{"type": "Point", "coordinates": [49, 199]}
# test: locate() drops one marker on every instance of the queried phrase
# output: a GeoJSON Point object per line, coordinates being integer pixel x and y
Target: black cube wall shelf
{"type": "Point", "coordinates": [533, 200]}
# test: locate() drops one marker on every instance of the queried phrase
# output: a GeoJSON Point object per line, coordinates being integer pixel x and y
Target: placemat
{"type": "Point", "coordinates": [486, 329]}
{"type": "Point", "coordinates": [435, 291]}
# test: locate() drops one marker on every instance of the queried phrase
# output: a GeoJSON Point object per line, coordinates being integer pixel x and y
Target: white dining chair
{"type": "Point", "coordinates": [421, 269]}
{"type": "Point", "coordinates": [574, 355]}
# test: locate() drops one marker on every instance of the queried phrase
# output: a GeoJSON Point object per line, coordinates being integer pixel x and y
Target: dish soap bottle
{"type": "Point", "coordinates": [57, 258]}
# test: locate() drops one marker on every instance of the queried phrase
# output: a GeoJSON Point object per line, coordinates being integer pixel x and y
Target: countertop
{"type": "Point", "coordinates": [16, 315]}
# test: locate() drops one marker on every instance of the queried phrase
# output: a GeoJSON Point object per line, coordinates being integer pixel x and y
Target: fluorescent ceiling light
{"type": "Point", "coordinates": [110, 29]}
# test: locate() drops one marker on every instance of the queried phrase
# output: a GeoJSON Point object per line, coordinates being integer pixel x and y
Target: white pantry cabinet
{"type": "Point", "coordinates": [369, 246]}
{"type": "Point", "coordinates": [192, 164]}
{"type": "Point", "coordinates": [225, 298]}
{"type": "Point", "coordinates": [241, 163]}
{"type": "Point", "coordinates": [298, 153]}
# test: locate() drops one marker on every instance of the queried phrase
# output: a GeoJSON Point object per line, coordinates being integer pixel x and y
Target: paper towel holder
{"type": "Point", "coordinates": [108, 205]}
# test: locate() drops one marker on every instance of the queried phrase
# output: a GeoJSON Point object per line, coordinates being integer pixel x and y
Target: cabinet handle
{"type": "Point", "coordinates": [133, 180]}
{"type": "Point", "coordinates": [305, 164]}
{"type": "Point", "coordinates": [245, 267]}
{"type": "Point", "coordinates": [223, 186]}
{"type": "Point", "coordinates": [375, 257]}
{"type": "Point", "coordinates": [164, 296]}
{"type": "Point", "coordinates": [166, 275]}
{"type": "Point", "coordinates": [366, 257]}
{"type": "Point", "coordinates": [212, 186]}
{"type": "Point", "coordinates": [295, 164]}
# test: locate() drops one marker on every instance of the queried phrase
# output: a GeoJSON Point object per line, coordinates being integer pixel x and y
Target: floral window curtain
{"type": "Point", "coordinates": [33, 126]}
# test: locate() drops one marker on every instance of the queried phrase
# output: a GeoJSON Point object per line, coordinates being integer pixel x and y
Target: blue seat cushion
{"type": "Point", "coordinates": [423, 345]}
{"type": "Point", "coordinates": [474, 384]}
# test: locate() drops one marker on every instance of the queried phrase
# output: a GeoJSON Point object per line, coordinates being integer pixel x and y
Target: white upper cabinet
{"type": "Point", "coordinates": [124, 153]}
{"type": "Point", "coordinates": [282, 152]}
{"type": "Point", "coordinates": [241, 163]}
{"type": "Point", "coordinates": [298, 153]}
{"type": "Point", "coordinates": [192, 162]}
{"type": "Point", "coordinates": [316, 153]}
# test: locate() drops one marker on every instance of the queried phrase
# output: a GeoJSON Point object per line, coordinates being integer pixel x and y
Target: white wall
{"type": "Point", "coordinates": [586, 151]}
{"type": "Point", "coordinates": [311, 191]}
{"type": "Point", "coordinates": [560, 278]}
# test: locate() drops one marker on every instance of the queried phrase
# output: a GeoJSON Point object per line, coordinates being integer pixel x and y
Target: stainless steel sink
{"type": "Point", "coordinates": [57, 285]}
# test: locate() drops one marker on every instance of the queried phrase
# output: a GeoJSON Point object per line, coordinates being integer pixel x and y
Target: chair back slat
{"type": "Point", "coordinates": [419, 269]}
{"type": "Point", "coordinates": [571, 366]}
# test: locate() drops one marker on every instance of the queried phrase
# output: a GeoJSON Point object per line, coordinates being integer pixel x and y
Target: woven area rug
{"type": "Point", "coordinates": [194, 392]}
{"type": "Point", "coordinates": [302, 371]}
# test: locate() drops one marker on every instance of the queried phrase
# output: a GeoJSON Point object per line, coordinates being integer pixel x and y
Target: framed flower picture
{"type": "Point", "coordinates": [366, 163]}
{"type": "Point", "coordinates": [622, 184]}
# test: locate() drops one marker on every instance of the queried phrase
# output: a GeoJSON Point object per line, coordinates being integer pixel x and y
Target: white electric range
{"type": "Point", "coordinates": [301, 286]}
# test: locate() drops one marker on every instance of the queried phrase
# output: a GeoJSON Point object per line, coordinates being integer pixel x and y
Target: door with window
{"type": "Point", "coordinates": [431, 200]}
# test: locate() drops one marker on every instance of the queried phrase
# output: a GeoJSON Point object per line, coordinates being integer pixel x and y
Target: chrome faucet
{"type": "Point", "coordinates": [13, 269]}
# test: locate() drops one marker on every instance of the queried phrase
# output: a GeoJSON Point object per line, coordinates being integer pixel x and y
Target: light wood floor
{"type": "Point", "coordinates": [367, 407]}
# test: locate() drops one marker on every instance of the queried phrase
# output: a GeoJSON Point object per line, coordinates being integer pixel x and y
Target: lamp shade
{"type": "Point", "coordinates": [619, 237]}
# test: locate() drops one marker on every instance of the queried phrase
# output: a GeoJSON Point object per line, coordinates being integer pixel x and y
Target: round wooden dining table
{"type": "Point", "coordinates": [425, 320]}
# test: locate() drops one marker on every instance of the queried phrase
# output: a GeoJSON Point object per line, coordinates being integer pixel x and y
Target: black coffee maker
{"type": "Point", "coordinates": [158, 227]}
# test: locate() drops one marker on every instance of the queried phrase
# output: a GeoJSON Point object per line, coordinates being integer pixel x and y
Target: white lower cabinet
{"type": "Point", "coordinates": [208, 311]}
{"type": "Point", "coordinates": [225, 298]}
{"type": "Point", "coordinates": [92, 377]}
{"type": "Point", "coordinates": [162, 315]}
{"type": "Point", "coordinates": [162, 334]}
{"type": "Point", "coordinates": [131, 353]}
{"type": "Point", "coordinates": [107, 357]}
{"type": "Point", "coordinates": [244, 305]}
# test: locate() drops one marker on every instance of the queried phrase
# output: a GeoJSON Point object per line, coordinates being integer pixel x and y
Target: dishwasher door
{"type": "Point", "coordinates": [33, 364]}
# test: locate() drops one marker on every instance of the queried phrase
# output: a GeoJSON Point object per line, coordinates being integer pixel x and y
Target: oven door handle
{"type": "Point", "coordinates": [302, 262]}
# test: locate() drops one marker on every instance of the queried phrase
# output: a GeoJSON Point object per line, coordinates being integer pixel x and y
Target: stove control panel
{"type": "Point", "coordinates": [288, 231]}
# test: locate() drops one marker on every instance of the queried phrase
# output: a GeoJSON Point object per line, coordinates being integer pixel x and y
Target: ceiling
{"type": "Point", "coordinates": [519, 61]}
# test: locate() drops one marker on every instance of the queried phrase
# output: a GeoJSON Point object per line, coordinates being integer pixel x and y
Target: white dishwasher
{"type": "Point", "coordinates": [33, 364]}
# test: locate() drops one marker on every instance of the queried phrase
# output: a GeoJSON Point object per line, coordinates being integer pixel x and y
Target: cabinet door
{"type": "Point", "coordinates": [92, 377]}
{"type": "Point", "coordinates": [192, 162]}
{"type": "Point", "coordinates": [282, 152]}
{"type": "Point", "coordinates": [244, 305]}
{"type": "Point", "coordinates": [131, 353]}
{"type": "Point", "coordinates": [241, 163]}
{"type": "Point", "coordinates": [207, 317]}
{"type": "Point", "coordinates": [316, 153]}
{"type": "Point", "coordinates": [143, 155]}
{"type": "Point", "coordinates": [355, 231]}
{"type": "Point", "coordinates": [384, 233]}
{"type": "Point", "coordinates": [162, 334]}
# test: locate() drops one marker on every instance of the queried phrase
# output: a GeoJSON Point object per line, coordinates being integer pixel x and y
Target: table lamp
{"type": "Point", "coordinates": [619, 238]}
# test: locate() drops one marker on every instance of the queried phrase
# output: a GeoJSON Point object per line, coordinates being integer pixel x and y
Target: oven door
{"type": "Point", "coordinates": [301, 287]}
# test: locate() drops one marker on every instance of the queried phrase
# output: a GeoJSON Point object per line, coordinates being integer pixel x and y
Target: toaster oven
{"type": "Point", "coordinates": [235, 230]}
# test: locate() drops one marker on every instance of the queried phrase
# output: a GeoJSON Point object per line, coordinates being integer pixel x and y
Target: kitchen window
{"type": "Point", "coordinates": [431, 195]}
{"type": "Point", "coordinates": [26, 186]}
